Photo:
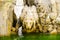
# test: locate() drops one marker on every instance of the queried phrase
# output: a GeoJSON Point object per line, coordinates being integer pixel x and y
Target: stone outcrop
{"type": "Point", "coordinates": [36, 16]}
{"type": "Point", "coordinates": [48, 15]}
{"type": "Point", "coordinates": [6, 17]}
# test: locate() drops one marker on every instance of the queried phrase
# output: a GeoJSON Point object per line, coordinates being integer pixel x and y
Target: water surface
{"type": "Point", "coordinates": [33, 36]}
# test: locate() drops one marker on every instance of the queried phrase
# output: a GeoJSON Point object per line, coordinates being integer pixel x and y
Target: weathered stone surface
{"type": "Point", "coordinates": [48, 16]}
{"type": "Point", "coordinates": [30, 18]}
{"type": "Point", "coordinates": [41, 16]}
{"type": "Point", "coordinates": [6, 17]}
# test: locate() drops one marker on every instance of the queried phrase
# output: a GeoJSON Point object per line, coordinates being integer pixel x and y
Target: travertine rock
{"type": "Point", "coordinates": [30, 18]}
{"type": "Point", "coordinates": [46, 14]}
{"type": "Point", "coordinates": [50, 28]}
{"type": "Point", "coordinates": [6, 15]}
{"type": "Point", "coordinates": [58, 29]}
{"type": "Point", "coordinates": [54, 31]}
{"type": "Point", "coordinates": [37, 15]}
